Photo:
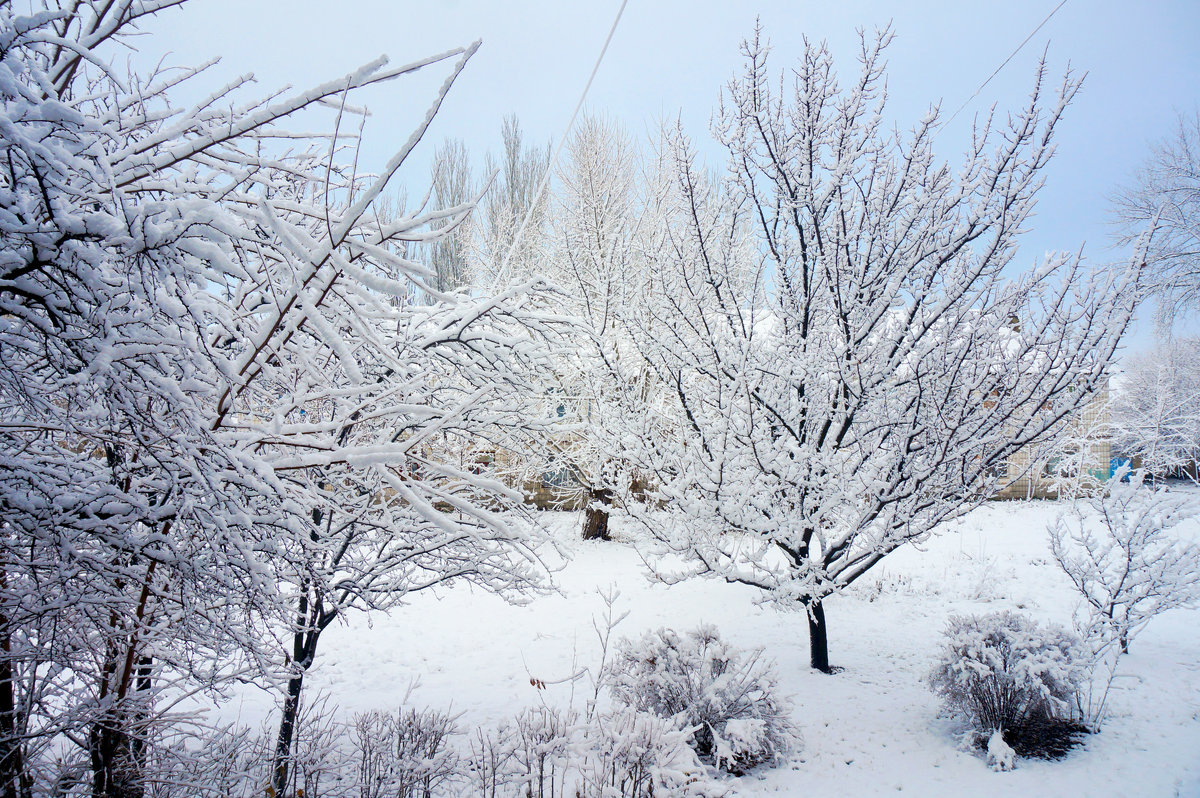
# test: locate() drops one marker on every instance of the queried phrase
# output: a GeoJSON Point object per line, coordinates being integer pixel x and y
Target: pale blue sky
{"type": "Point", "coordinates": [671, 58]}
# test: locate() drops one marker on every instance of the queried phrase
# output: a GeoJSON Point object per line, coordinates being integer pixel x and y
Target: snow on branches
{"type": "Point", "coordinates": [1125, 557]}
{"type": "Point", "coordinates": [1165, 197]}
{"type": "Point", "coordinates": [217, 409]}
{"type": "Point", "coordinates": [848, 358]}
{"type": "Point", "coordinates": [1156, 408]}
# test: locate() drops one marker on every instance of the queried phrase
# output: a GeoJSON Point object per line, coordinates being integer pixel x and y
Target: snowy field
{"type": "Point", "coordinates": [872, 729]}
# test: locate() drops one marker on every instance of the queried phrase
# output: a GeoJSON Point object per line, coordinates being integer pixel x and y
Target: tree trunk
{"type": "Point", "coordinates": [304, 651]}
{"type": "Point", "coordinates": [115, 771]}
{"type": "Point", "coordinates": [15, 781]}
{"type": "Point", "coordinates": [287, 731]}
{"type": "Point", "coordinates": [13, 770]}
{"type": "Point", "coordinates": [140, 726]}
{"type": "Point", "coordinates": [818, 642]}
{"type": "Point", "coordinates": [310, 621]}
{"type": "Point", "coordinates": [117, 740]}
{"type": "Point", "coordinates": [110, 738]}
{"type": "Point", "coordinates": [13, 774]}
{"type": "Point", "coordinates": [595, 518]}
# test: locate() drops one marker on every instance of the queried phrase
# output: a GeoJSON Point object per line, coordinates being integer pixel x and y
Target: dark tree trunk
{"type": "Point", "coordinates": [110, 743]}
{"type": "Point", "coordinates": [304, 651]}
{"type": "Point", "coordinates": [115, 771]}
{"type": "Point", "coordinates": [595, 518]}
{"type": "Point", "coordinates": [143, 684]}
{"type": "Point", "coordinates": [311, 620]}
{"type": "Point", "coordinates": [117, 737]}
{"type": "Point", "coordinates": [13, 770]}
{"type": "Point", "coordinates": [818, 642]}
{"type": "Point", "coordinates": [287, 731]}
{"type": "Point", "coordinates": [15, 781]}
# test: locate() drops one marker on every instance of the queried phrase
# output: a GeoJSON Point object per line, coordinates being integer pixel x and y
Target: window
{"type": "Point", "coordinates": [559, 478]}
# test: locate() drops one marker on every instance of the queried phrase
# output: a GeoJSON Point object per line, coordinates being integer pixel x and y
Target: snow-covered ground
{"type": "Point", "coordinates": [872, 729]}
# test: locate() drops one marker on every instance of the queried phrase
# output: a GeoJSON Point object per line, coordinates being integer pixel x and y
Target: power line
{"type": "Point", "coordinates": [1004, 64]}
{"type": "Point", "coordinates": [554, 158]}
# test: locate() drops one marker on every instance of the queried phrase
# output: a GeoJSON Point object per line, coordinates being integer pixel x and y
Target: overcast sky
{"type": "Point", "coordinates": [670, 58]}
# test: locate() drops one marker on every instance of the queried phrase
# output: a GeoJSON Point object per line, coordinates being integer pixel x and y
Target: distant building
{"type": "Point", "coordinates": [1084, 461]}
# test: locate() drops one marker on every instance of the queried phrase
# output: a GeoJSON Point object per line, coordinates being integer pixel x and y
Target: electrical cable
{"type": "Point", "coordinates": [1004, 64]}
{"type": "Point", "coordinates": [503, 272]}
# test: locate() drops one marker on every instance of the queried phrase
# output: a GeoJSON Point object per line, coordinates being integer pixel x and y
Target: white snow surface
{"type": "Point", "coordinates": [872, 729]}
{"type": "Point", "coordinates": [1000, 756]}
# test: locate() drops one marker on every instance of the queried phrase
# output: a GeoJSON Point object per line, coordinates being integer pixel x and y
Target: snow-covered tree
{"type": "Point", "coordinates": [595, 221]}
{"type": "Point", "coordinates": [452, 186]}
{"type": "Point", "coordinates": [509, 199]}
{"type": "Point", "coordinates": [1128, 556]}
{"type": "Point", "coordinates": [391, 462]}
{"type": "Point", "coordinates": [1165, 195]}
{"type": "Point", "coordinates": [1123, 552]}
{"type": "Point", "coordinates": [863, 380]}
{"type": "Point", "coordinates": [218, 414]}
{"type": "Point", "coordinates": [378, 417]}
{"type": "Point", "coordinates": [124, 511]}
{"type": "Point", "coordinates": [1155, 415]}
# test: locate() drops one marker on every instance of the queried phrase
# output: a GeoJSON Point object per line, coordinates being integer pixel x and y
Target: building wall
{"type": "Point", "coordinates": [1031, 480]}
{"type": "Point", "coordinates": [551, 497]}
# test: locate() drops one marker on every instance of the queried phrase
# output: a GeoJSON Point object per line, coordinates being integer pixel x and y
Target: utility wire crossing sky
{"type": "Point", "coordinates": [669, 59]}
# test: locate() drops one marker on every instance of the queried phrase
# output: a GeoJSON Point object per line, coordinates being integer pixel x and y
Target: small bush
{"type": "Point", "coordinates": [492, 764]}
{"type": "Point", "coordinates": [727, 697]}
{"type": "Point", "coordinates": [623, 753]}
{"type": "Point", "coordinates": [404, 755]}
{"type": "Point", "coordinates": [543, 750]}
{"type": "Point", "coordinates": [636, 754]}
{"type": "Point", "coordinates": [200, 762]}
{"type": "Point", "coordinates": [1003, 671]}
{"type": "Point", "coordinates": [320, 758]}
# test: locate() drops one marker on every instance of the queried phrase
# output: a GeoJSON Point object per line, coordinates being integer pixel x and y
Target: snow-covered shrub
{"type": "Point", "coordinates": [407, 754]}
{"type": "Point", "coordinates": [404, 755]}
{"type": "Point", "coordinates": [727, 697]}
{"type": "Point", "coordinates": [491, 765]}
{"type": "Point", "coordinates": [320, 757]}
{"type": "Point", "coordinates": [1003, 671]}
{"type": "Point", "coordinates": [634, 754]}
{"type": "Point", "coordinates": [202, 762]}
{"type": "Point", "coordinates": [543, 751]}
{"type": "Point", "coordinates": [622, 753]}
{"type": "Point", "coordinates": [534, 755]}
{"type": "Point", "coordinates": [1129, 564]}
{"type": "Point", "coordinates": [1123, 554]}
